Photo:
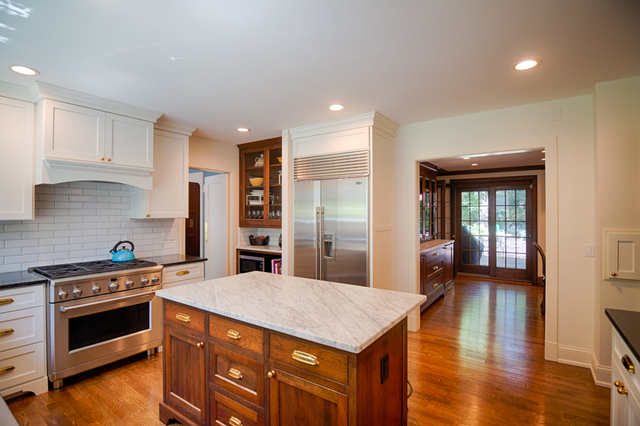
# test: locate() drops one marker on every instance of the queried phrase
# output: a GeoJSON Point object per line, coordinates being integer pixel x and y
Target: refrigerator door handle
{"type": "Point", "coordinates": [318, 248]}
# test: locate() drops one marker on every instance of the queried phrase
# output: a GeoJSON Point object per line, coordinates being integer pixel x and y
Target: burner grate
{"type": "Point", "coordinates": [88, 268]}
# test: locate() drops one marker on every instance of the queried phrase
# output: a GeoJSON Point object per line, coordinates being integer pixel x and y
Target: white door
{"type": "Point", "coordinates": [216, 246]}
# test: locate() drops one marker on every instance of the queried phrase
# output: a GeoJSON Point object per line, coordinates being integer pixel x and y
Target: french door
{"type": "Point", "coordinates": [496, 227]}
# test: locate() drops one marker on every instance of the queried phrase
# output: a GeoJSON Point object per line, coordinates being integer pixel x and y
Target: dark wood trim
{"type": "Point", "coordinates": [494, 170]}
{"type": "Point", "coordinates": [260, 144]}
{"type": "Point", "coordinates": [431, 167]}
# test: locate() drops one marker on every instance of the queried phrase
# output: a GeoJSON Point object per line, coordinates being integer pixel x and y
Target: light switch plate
{"type": "Point", "coordinates": [589, 250]}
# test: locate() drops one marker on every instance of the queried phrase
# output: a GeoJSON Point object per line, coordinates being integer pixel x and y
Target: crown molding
{"type": "Point", "coordinates": [373, 118]}
{"type": "Point", "coordinates": [168, 125]}
{"type": "Point", "coordinates": [40, 90]}
{"type": "Point", "coordinates": [15, 92]}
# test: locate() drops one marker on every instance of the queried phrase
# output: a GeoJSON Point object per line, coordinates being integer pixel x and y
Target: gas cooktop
{"type": "Point", "coordinates": [89, 268]}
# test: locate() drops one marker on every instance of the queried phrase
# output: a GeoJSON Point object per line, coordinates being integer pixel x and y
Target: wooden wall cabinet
{"type": "Point", "coordinates": [252, 376]}
{"type": "Point", "coordinates": [16, 161]}
{"type": "Point", "coordinates": [436, 273]}
{"type": "Point", "coordinates": [261, 201]}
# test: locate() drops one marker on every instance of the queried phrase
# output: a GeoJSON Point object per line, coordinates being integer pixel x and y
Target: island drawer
{"type": "Point", "coordinates": [226, 412]}
{"type": "Point", "coordinates": [238, 334]}
{"type": "Point", "coordinates": [184, 316]}
{"type": "Point", "coordinates": [434, 267]}
{"type": "Point", "coordinates": [237, 374]}
{"type": "Point", "coordinates": [434, 255]}
{"type": "Point", "coordinates": [14, 299]}
{"type": "Point", "coordinates": [314, 359]}
{"type": "Point", "coordinates": [183, 274]}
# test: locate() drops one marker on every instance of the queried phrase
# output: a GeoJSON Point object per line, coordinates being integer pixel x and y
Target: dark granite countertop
{"type": "Point", "coordinates": [175, 259]}
{"type": "Point", "coordinates": [628, 325]}
{"type": "Point", "coordinates": [20, 279]}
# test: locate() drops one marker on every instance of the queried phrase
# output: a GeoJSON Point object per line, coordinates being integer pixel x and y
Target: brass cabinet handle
{"type": "Point", "coordinates": [183, 317]}
{"type": "Point", "coordinates": [182, 273]}
{"type": "Point", "coordinates": [435, 268]}
{"type": "Point", "coordinates": [435, 254]}
{"type": "Point", "coordinates": [7, 369]}
{"type": "Point", "coordinates": [236, 374]}
{"type": "Point", "coordinates": [200, 345]}
{"type": "Point", "coordinates": [450, 289]}
{"type": "Point", "coordinates": [613, 274]}
{"type": "Point", "coordinates": [148, 215]}
{"type": "Point", "coordinates": [7, 331]}
{"type": "Point", "coordinates": [108, 159]}
{"type": "Point", "coordinates": [271, 374]}
{"type": "Point", "coordinates": [618, 384]}
{"type": "Point", "coordinates": [436, 285]}
{"type": "Point", "coordinates": [628, 364]}
{"type": "Point", "coordinates": [232, 334]}
{"type": "Point", "coordinates": [234, 421]}
{"type": "Point", "coordinates": [622, 390]}
{"type": "Point", "coordinates": [101, 158]}
{"type": "Point", "coordinates": [6, 301]}
{"type": "Point", "coordinates": [305, 358]}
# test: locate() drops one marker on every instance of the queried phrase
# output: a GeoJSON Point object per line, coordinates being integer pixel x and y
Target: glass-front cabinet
{"type": "Point", "coordinates": [261, 184]}
{"type": "Point", "coordinates": [428, 195]}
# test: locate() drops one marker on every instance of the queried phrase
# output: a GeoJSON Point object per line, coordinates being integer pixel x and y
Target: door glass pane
{"type": "Point", "coordinates": [475, 227]}
{"type": "Point", "coordinates": [511, 229]}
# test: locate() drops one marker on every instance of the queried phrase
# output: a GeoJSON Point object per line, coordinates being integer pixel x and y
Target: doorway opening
{"type": "Point", "coordinates": [206, 228]}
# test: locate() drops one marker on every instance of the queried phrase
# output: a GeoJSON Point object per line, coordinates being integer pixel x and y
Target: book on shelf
{"type": "Point", "coordinates": [276, 266]}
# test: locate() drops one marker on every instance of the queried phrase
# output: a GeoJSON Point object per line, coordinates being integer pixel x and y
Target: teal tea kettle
{"type": "Point", "coordinates": [122, 255]}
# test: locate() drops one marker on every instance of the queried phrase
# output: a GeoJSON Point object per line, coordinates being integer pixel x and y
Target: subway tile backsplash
{"type": "Point", "coordinates": [81, 221]}
{"type": "Point", "coordinates": [243, 235]}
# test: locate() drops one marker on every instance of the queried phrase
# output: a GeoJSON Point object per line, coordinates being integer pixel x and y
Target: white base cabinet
{"type": "Point", "coordinates": [625, 389]}
{"type": "Point", "coordinates": [177, 275]}
{"type": "Point", "coordinates": [23, 365]}
{"type": "Point", "coordinates": [16, 160]}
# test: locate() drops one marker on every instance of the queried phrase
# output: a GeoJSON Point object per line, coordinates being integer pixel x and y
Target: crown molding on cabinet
{"type": "Point", "coordinates": [14, 91]}
{"type": "Point", "coordinates": [173, 126]}
{"type": "Point", "coordinates": [40, 90]}
{"type": "Point", "coordinates": [373, 118]}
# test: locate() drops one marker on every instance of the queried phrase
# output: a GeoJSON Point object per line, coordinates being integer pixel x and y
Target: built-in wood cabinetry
{"type": "Point", "coordinates": [16, 161]}
{"type": "Point", "coordinates": [220, 371]}
{"type": "Point", "coordinates": [261, 184]}
{"type": "Point", "coordinates": [436, 272]}
{"type": "Point", "coordinates": [429, 198]}
{"type": "Point", "coordinates": [169, 197]}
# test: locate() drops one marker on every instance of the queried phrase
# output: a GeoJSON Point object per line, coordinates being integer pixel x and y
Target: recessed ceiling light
{"type": "Point", "coordinates": [243, 129]}
{"type": "Point", "coordinates": [466, 158]}
{"type": "Point", "coordinates": [527, 65]}
{"type": "Point", "coordinates": [23, 70]}
{"type": "Point", "coordinates": [336, 107]}
{"type": "Point", "coordinates": [474, 164]}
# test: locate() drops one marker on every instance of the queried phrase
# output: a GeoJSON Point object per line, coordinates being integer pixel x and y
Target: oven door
{"type": "Point", "coordinates": [88, 333]}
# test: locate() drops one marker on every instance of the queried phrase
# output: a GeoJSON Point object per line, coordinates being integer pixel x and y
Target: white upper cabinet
{"type": "Point", "coordinates": [329, 143]}
{"type": "Point", "coordinates": [82, 137]}
{"type": "Point", "coordinates": [169, 197]}
{"type": "Point", "coordinates": [16, 160]}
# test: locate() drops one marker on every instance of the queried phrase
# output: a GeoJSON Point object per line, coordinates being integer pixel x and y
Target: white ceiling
{"type": "Point", "coordinates": [272, 65]}
{"type": "Point", "coordinates": [491, 161]}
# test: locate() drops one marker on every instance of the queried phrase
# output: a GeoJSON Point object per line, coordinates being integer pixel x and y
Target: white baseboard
{"type": "Point", "coordinates": [574, 356]}
{"type": "Point", "coordinates": [551, 351]}
{"type": "Point", "coordinates": [601, 373]}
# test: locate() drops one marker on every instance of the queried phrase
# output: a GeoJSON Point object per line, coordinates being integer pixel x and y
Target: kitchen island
{"type": "Point", "coordinates": [259, 348]}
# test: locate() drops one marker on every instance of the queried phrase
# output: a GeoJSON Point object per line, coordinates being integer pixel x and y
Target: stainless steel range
{"type": "Point", "coordinates": [100, 312]}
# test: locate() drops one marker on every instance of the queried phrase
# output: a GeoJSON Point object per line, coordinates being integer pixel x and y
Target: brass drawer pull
{"type": "Point", "coordinates": [200, 345]}
{"type": "Point", "coordinates": [305, 358]}
{"type": "Point", "coordinates": [613, 274]}
{"type": "Point", "coordinates": [618, 384]}
{"type": "Point", "coordinates": [628, 364]}
{"type": "Point", "coordinates": [436, 285]}
{"type": "Point", "coordinates": [7, 331]}
{"type": "Point", "coordinates": [436, 253]}
{"type": "Point", "coordinates": [183, 317]}
{"type": "Point", "coordinates": [435, 268]}
{"type": "Point", "coordinates": [622, 390]}
{"type": "Point", "coordinates": [232, 334]}
{"type": "Point", "coordinates": [271, 374]}
{"type": "Point", "coordinates": [7, 369]}
{"type": "Point", "coordinates": [6, 301]}
{"type": "Point", "coordinates": [182, 273]}
{"type": "Point", "coordinates": [236, 374]}
{"type": "Point", "coordinates": [234, 421]}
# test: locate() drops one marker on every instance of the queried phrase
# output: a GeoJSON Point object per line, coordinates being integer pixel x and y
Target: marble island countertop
{"type": "Point", "coordinates": [342, 316]}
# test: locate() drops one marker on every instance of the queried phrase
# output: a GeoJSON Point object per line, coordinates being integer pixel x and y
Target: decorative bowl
{"type": "Point", "coordinates": [258, 241]}
{"type": "Point", "coordinates": [257, 181]}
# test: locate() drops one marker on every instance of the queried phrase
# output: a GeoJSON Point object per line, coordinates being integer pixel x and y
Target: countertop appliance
{"type": "Point", "coordinates": [99, 312]}
{"type": "Point", "coordinates": [331, 219]}
{"type": "Point", "coordinates": [252, 261]}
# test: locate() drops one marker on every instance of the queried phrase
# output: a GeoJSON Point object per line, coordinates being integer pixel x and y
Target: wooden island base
{"type": "Point", "coordinates": [219, 371]}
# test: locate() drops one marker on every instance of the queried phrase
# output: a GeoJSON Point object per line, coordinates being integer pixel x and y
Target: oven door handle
{"type": "Point", "coordinates": [87, 305]}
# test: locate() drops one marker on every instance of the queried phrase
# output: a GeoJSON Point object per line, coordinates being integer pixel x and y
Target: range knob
{"type": "Point", "coordinates": [95, 289]}
{"type": "Point", "coordinates": [77, 292]}
{"type": "Point", "coordinates": [155, 280]}
{"type": "Point", "coordinates": [113, 286]}
{"type": "Point", "coordinates": [144, 281]}
{"type": "Point", "coordinates": [128, 284]}
{"type": "Point", "coordinates": [62, 294]}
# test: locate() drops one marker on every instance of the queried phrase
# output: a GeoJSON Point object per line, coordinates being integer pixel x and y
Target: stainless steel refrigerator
{"type": "Point", "coordinates": [330, 230]}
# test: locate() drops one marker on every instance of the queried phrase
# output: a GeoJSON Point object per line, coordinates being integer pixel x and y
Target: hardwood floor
{"type": "Point", "coordinates": [477, 360]}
